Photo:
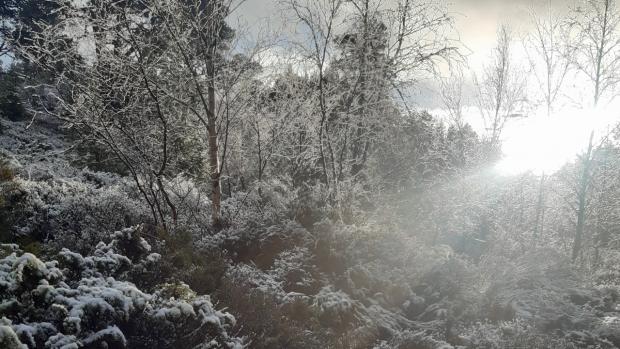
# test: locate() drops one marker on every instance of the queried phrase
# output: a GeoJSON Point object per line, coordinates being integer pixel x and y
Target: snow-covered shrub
{"type": "Point", "coordinates": [540, 289]}
{"type": "Point", "coordinates": [75, 213]}
{"type": "Point", "coordinates": [127, 256]}
{"type": "Point", "coordinates": [75, 302]}
{"type": "Point", "coordinates": [191, 199]}
{"type": "Point", "coordinates": [295, 270]}
{"type": "Point", "coordinates": [267, 203]}
{"type": "Point", "coordinates": [270, 317]}
{"type": "Point", "coordinates": [201, 268]}
{"type": "Point", "coordinates": [336, 310]}
{"type": "Point", "coordinates": [312, 205]}
{"type": "Point", "coordinates": [519, 334]}
{"type": "Point", "coordinates": [258, 243]}
{"type": "Point", "coordinates": [608, 270]}
{"type": "Point", "coordinates": [412, 339]}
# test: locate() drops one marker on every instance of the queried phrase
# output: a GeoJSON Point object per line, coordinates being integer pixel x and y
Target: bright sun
{"type": "Point", "coordinates": [543, 144]}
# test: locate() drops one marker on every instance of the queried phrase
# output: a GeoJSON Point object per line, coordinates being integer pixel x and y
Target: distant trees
{"type": "Point", "coordinates": [11, 106]}
{"type": "Point", "coordinates": [461, 136]}
{"type": "Point", "coordinates": [159, 85]}
{"type": "Point", "coordinates": [604, 208]}
{"type": "Point", "coordinates": [594, 206]}
{"type": "Point", "coordinates": [595, 52]}
{"type": "Point", "coordinates": [20, 19]}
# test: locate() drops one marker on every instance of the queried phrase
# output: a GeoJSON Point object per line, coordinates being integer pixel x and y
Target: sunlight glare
{"type": "Point", "coordinates": [543, 144]}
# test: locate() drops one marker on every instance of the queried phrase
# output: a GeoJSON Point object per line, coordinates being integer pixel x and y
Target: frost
{"type": "Point", "coordinates": [9, 339]}
{"type": "Point", "coordinates": [89, 304]}
{"type": "Point", "coordinates": [112, 335]}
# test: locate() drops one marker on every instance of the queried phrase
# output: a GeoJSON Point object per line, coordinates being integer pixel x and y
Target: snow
{"type": "Point", "coordinates": [107, 334]}
{"type": "Point", "coordinates": [61, 341]}
{"type": "Point", "coordinates": [329, 300]}
{"type": "Point", "coordinates": [9, 339]}
{"type": "Point", "coordinates": [30, 262]}
{"type": "Point", "coordinates": [87, 305]}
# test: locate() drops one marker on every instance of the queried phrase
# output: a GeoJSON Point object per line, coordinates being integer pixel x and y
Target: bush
{"type": "Point", "coordinates": [517, 334]}
{"type": "Point", "coordinates": [78, 301]}
{"type": "Point", "coordinates": [74, 213]}
{"type": "Point", "coordinates": [268, 321]}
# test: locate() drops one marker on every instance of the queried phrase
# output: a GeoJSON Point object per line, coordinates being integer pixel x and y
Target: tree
{"type": "Point", "coordinates": [462, 139]}
{"type": "Point", "coordinates": [197, 29]}
{"type": "Point", "coordinates": [582, 196]}
{"type": "Point", "coordinates": [452, 97]}
{"type": "Point", "coordinates": [605, 211]}
{"type": "Point", "coordinates": [550, 55]}
{"type": "Point", "coordinates": [320, 19]}
{"type": "Point", "coordinates": [596, 47]}
{"type": "Point", "coordinates": [149, 79]}
{"type": "Point", "coordinates": [19, 19]}
{"type": "Point", "coordinates": [501, 88]}
{"type": "Point", "coordinates": [363, 53]}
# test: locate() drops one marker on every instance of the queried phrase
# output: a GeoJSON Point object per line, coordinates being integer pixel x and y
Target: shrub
{"type": "Point", "coordinates": [74, 213]}
{"type": "Point", "coordinates": [79, 301]}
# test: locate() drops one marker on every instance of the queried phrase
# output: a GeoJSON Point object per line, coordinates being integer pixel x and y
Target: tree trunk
{"type": "Point", "coordinates": [582, 196]}
{"type": "Point", "coordinates": [214, 158]}
{"type": "Point", "coordinates": [540, 210]}
{"type": "Point", "coordinates": [214, 163]}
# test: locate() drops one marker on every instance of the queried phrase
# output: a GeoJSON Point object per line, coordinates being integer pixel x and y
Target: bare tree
{"type": "Point", "coordinates": [501, 88]}
{"type": "Point", "coordinates": [549, 51]}
{"type": "Point", "coordinates": [453, 98]}
{"type": "Point", "coordinates": [320, 19]}
{"type": "Point", "coordinates": [595, 27]}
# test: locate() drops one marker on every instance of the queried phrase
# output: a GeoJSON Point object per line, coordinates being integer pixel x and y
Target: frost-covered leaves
{"type": "Point", "coordinates": [83, 302]}
{"type": "Point", "coordinates": [345, 286]}
{"type": "Point", "coordinates": [544, 293]}
{"type": "Point", "coordinates": [76, 212]}
{"type": "Point", "coordinates": [49, 200]}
